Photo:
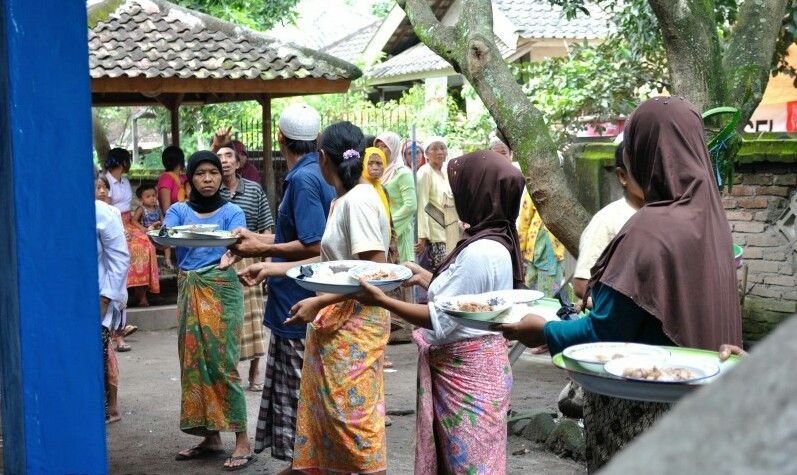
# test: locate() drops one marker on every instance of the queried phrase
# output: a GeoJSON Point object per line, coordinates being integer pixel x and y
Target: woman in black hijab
{"type": "Point", "coordinates": [210, 310]}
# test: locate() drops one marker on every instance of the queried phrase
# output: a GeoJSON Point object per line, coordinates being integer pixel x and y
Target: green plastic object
{"type": "Point", "coordinates": [718, 145]}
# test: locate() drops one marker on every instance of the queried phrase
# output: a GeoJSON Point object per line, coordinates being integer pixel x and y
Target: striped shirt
{"type": "Point", "coordinates": [252, 199]}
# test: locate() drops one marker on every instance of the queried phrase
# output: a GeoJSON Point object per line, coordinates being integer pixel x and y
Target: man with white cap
{"type": "Point", "coordinates": [300, 224]}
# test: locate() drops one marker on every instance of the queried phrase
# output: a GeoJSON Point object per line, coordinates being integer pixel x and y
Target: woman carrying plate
{"type": "Point", "coordinates": [340, 421]}
{"type": "Point", "coordinates": [464, 371]}
{"type": "Point", "coordinates": [210, 312]}
{"type": "Point", "coordinates": [666, 279]}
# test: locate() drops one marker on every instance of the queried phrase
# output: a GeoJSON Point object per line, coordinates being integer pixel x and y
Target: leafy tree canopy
{"type": "Point", "coordinates": [256, 14]}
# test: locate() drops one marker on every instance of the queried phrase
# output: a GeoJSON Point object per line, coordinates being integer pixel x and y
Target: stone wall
{"type": "Point", "coordinates": [761, 209]}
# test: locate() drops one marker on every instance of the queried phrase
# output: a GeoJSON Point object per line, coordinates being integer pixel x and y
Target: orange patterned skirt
{"type": "Point", "coordinates": [340, 425]}
{"type": "Point", "coordinates": [143, 261]}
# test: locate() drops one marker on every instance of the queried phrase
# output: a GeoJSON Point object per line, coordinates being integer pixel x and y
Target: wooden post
{"type": "Point", "coordinates": [175, 119]}
{"type": "Point", "coordinates": [269, 183]}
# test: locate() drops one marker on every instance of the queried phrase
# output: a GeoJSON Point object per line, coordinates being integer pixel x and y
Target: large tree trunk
{"type": "Point", "coordinates": [699, 68]}
{"type": "Point", "coordinates": [470, 48]}
{"type": "Point", "coordinates": [101, 144]}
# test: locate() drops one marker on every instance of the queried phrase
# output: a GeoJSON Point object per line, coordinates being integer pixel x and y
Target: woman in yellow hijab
{"type": "Point", "coordinates": [374, 165]}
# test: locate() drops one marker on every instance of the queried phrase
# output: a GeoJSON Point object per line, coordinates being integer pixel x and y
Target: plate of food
{"type": "Point", "coordinates": [334, 277]}
{"type": "Point", "coordinates": [593, 356]}
{"type": "Point", "coordinates": [380, 273]}
{"type": "Point", "coordinates": [672, 370]}
{"type": "Point", "coordinates": [645, 390]}
{"type": "Point", "coordinates": [546, 308]}
{"type": "Point", "coordinates": [481, 307]}
{"type": "Point", "coordinates": [208, 238]}
{"type": "Point", "coordinates": [195, 227]}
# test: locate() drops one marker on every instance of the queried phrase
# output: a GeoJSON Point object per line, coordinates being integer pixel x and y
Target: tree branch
{"type": "Point", "coordinates": [748, 59]}
{"type": "Point", "coordinates": [693, 49]}
{"type": "Point", "coordinates": [473, 48]}
{"type": "Point", "coordinates": [101, 143]}
{"type": "Point", "coordinates": [438, 37]}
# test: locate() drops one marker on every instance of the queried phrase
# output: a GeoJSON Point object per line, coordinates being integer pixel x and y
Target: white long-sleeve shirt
{"type": "Point", "coordinates": [121, 193]}
{"type": "Point", "coordinates": [113, 258]}
{"type": "Point", "coordinates": [483, 266]}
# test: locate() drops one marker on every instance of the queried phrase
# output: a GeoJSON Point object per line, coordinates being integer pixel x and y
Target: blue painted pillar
{"type": "Point", "coordinates": [52, 393]}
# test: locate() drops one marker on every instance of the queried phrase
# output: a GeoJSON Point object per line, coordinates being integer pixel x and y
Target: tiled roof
{"type": "Point", "coordinates": [536, 19]}
{"type": "Point", "coordinates": [157, 39]}
{"type": "Point", "coordinates": [418, 59]}
{"type": "Point", "coordinates": [533, 19]}
{"type": "Point", "coordinates": [351, 47]}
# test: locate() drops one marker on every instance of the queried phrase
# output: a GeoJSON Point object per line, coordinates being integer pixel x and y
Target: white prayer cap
{"type": "Point", "coordinates": [434, 139]}
{"type": "Point", "coordinates": [300, 122]}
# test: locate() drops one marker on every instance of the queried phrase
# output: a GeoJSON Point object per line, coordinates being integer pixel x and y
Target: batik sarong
{"type": "Point", "coordinates": [341, 415]}
{"type": "Point", "coordinates": [143, 261]}
{"type": "Point", "coordinates": [276, 422]}
{"type": "Point", "coordinates": [210, 309]}
{"type": "Point", "coordinates": [611, 423]}
{"type": "Point", "coordinates": [253, 333]}
{"type": "Point", "coordinates": [464, 390]}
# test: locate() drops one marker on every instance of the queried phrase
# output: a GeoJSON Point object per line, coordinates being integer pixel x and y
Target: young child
{"type": "Point", "coordinates": [148, 216]}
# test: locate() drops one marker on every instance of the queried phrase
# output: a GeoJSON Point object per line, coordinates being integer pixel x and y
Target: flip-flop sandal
{"type": "Point", "coordinates": [255, 387]}
{"type": "Point", "coordinates": [129, 330]}
{"type": "Point", "coordinates": [387, 364]}
{"type": "Point", "coordinates": [113, 419]}
{"type": "Point", "coordinates": [250, 457]}
{"type": "Point", "coordinates": [123, 348]}
{"type": "Point", "coordinates": [198, 452]}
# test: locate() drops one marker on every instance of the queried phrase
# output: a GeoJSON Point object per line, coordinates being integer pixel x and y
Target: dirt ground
{"type": "Point", "coordinates": [147, 438]}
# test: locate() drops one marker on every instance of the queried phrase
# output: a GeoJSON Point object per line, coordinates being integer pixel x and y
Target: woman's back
{"type": "Point", "coordinates": [357, 223]}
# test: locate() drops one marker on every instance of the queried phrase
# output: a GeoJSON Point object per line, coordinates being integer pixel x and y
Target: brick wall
{"type": "Point", "coordinates": [760, 195]}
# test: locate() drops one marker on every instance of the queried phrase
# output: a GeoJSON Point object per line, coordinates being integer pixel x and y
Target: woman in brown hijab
{"type": "Point", "coordinates": [667, 278]}
{"type": "Point", "coordinates": [463, 370]}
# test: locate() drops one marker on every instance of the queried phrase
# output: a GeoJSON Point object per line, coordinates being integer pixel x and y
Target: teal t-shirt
{"type": "Point", "coordinates": [614, 317]}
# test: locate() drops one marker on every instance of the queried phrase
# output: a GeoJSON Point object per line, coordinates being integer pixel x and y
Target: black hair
{"type": "Point", "coordinates": [172, 157]}
{"type": "Point", "coordinates": [618, 157]}
{"type": "Point", "coordinates": [234, 152]}
{"type": "Point", "coordinates": [104, 180]}
{"type": "Point", "coordinates": [116, 157]}
{"type": "Point", "coordinates": [369, 141]}
{"type": "Point", "coordinates": [300, 147]}
{"type": "Point", "coordinates": [144, 187]}
{"type": "Point", "coordinates": [339, 138]}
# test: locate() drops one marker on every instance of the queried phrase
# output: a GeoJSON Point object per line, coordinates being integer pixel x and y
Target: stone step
{"type": "Point", "coordinates": [159, 317]}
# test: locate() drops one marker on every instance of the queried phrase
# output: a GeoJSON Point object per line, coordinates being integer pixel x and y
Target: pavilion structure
{"type": "Point", "coordinates": [152, 52]}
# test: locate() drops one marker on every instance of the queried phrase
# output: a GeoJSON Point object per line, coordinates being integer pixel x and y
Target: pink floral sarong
{"type": "Point", "coordinates": [463, 398]}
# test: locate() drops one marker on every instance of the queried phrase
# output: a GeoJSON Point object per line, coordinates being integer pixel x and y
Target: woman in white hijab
{"type": "Point", "coordinates": [397, 180]}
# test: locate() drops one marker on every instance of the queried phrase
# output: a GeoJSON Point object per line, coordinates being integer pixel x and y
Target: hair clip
{"type": "Point", "coordinates": [351, 153]}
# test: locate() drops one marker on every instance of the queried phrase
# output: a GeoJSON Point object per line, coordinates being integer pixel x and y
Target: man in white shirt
{"type": "Point", "coordinates": [113, 261]}
{"type": "Point", "coordinates": [605, 225]}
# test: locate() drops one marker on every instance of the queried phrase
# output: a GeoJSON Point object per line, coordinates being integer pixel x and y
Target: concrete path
{"type": "Point", "coordinates": [148, 437]}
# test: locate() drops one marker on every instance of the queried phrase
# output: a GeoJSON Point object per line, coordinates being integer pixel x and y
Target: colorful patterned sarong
{"type": "Point", "coordinates": [253, 333]}
{"type": "Point", "coordinates": [464, 389]}
{"type": "Point", "coordinates": [143, 261]}
{"type": "Point", "coordinates": [340, 426]}
{"type": "Point", "coordinates": [210, 309]}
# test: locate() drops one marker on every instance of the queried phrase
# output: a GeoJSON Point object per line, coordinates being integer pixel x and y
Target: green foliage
{"type": "Point", "coordinates": [256, 14]}
{"type": "Point", "coordinates": [380, 8]}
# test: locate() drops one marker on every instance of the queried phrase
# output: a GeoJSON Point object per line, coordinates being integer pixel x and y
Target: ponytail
{"type": "Point", "coordinates": [344, 144]}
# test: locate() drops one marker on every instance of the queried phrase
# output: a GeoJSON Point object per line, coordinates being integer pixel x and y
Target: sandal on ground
{"type": "Point", "coordinates": [129, 330]}
{"type": "Point", "coordinates": [123, 348]}
{"type": "Point", "coordinates": [388, 421]}
{"type": "Point", "coordinates": [388, 364]}
{"type": "Point", "coordinates": [198, 452]}
{"type": "Point", "coordinates": [112, 419]}
{"type": "Point", "coordinates": [256, 387]}
{"type": "Point", "coordinates": [250, 457]}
